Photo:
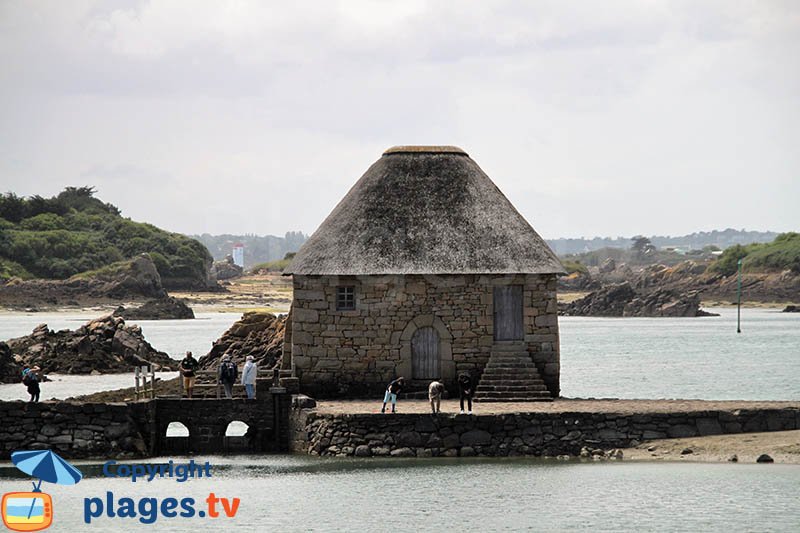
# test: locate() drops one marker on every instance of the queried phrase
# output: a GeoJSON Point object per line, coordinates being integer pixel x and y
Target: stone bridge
{"type": "Point", "coordinates": [207, 422]}
{"type": "Point", "coordinates": [79, 429]}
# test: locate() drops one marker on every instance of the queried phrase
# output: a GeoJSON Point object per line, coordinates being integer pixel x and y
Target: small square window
{"type": "Point", "coordinates": [345, 298]}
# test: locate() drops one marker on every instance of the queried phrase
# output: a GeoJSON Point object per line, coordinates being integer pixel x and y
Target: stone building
{"type": "Point", "coordinates": [425, 270]}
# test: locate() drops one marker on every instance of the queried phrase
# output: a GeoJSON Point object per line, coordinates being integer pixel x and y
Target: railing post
{"type": "Point", "coordinates": [136, 386]}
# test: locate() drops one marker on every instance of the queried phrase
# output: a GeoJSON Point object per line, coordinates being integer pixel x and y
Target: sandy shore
{"type": "Point", "coordinates": [782, 446]}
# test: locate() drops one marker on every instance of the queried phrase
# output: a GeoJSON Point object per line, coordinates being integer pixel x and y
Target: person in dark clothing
{"type": "Point", "coordinates": [227, 375]}
{"type": "Point", "coordinates": [392, 391]}
{"type": "Point", "coordinates": [188, 367]}
{"type": "Point", "coordinates": [30, 379]}
{"type": "Point", "coordinates": [465, 391]}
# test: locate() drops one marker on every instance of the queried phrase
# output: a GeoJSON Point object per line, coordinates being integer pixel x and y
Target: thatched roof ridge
{"type": "Point", "coordinates": [424, 210]}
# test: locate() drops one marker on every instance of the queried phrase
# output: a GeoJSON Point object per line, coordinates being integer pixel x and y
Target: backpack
{"type": "Point", "coordinates": [228, 372]}
{"type": "Point", "coordinates": [27, 379]}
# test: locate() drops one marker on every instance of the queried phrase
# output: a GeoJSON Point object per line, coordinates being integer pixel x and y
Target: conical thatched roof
{"type": "Point", "coordinates": [424, 210]}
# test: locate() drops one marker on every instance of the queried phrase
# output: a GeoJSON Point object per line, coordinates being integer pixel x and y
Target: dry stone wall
{"type": "Point", "coordinates": [535, 434]}
{"type": "Point", "coordinates": [356, 352]}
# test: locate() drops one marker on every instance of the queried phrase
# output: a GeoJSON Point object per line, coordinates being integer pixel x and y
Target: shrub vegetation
{"type": "Point", "coordinates": [75, 232]}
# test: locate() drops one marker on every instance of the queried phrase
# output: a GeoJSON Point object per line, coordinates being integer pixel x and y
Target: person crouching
{"type": "Point", "coordinates": [435, 391]}
{"type": "Point", "coordinates": [392, 390]}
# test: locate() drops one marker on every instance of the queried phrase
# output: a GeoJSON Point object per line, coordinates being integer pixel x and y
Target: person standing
{"type": "Point", "coordinates": [188, 367]}
{"type": "Point", "coordinates": [435, 390]}
{"type": "Point", "coordinates": [227, 375]}
{"type": "Point", "coordinates": [465, 391]}
{"type": "Point", "coordinates": [392, 390]}
{"type": "Point", "coordinates": [249, 373]}
{"type": "Point", "coordinates": [30, 378]}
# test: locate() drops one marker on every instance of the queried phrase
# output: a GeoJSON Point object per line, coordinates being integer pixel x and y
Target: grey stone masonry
{"type": "Point", "coordinates": [511, 376]}
{"type": "Point", "coordinates": [515, 434]}
{"type": "Point", "coordinates": [355, 353]}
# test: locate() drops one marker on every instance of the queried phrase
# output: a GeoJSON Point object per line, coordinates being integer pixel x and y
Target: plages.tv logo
{"type": "Point", "coordinates": [33, 511]}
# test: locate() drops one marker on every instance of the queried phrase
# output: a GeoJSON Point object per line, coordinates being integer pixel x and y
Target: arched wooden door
{"type": "Point", "coordinates": [425, 354]}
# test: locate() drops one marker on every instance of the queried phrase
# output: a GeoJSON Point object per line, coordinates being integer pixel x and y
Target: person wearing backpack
{"type": "Point", "coordinates": [227, 375]}
{"type": "Point", "coordinates": [30, 379]}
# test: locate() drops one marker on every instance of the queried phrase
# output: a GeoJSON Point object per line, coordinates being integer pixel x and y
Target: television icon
{"type": "Point", "coordinates": [27, 511]}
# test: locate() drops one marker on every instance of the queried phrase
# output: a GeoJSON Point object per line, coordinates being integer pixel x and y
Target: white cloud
{"type": "Point", "coordinates": [612, 118]}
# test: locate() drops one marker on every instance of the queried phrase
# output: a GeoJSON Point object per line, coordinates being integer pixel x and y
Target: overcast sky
{"type": "Point", "coordinates": [594, 118]}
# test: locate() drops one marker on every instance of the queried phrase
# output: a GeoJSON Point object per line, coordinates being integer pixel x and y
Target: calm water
{"type": "Point", "coordinates": [683, 357]}
{"type": "Point", "coordinates": [625, 358]}
{"type": "Point", "coordinates": [600, 357]}
{"type": "Point", "coordinates": [283, 493]}
{"type": "Point", "coordinates": [171, 336]}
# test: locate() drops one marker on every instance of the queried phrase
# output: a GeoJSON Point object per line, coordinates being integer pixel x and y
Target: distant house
{"type": "Point", "coordinates": [425, 270]}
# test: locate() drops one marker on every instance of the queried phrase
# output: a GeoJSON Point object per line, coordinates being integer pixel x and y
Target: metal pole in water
{"type": "Point", "coordinates": [739, 299]}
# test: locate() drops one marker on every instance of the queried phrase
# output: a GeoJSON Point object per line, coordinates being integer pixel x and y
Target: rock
{"type": "Point", "coordinates": [467, 451]}
{"type": "Point", "coordinates": [687, 451]}
{"type": "Point", "coordinates": [104, 345]}
{"type": "Point", "coordinates": [402, 452]}
{"type": "Point", "coordinates": [733, 458]}
{"type": "Point", "coordinates": [791, 309]}
{"type": "Point", "coordinates": [226, 269]}
{"type": "Point", "coordinates": [301, 401]}
{"type": "Point", "coordinates": [585, 453]}
{"type": "Point", "coordinates": [609, 265]}
{"type": "Point", "coordinates": [764, 458]}
{"type": "Point", "coordinates": [363, 451]}
{"type": "Point", "coordinates": [623, 300]}
{"type": "Point", "coordinates": [10, 371]}
{"type": "Point", "coordinates": [409, 438]}
{"type": "Point", "coordinates": [169, 308]}
{"type": "Point", "coordinates": [257, 333]}
{"type": "Point", "coordinates": [133, 279]}
{"type": "Point", "coordinates": [476, 437]}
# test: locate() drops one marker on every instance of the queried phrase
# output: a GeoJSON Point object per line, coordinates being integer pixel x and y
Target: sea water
{"type": "Point", "coordinates": [292, 493]}
{"type": "Point", "coordinates": [628, 358]}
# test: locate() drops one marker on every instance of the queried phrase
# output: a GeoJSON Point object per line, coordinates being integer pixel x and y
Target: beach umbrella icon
{"type": "Point", "coordinates": [47, 466]}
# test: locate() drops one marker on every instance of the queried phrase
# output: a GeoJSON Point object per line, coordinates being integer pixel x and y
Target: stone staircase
{"type": "Point", "coordinates": [511, 376]}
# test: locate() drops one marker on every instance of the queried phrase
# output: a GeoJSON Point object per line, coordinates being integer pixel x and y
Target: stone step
{"type": "Point", "coordinates": [491, 365]}
{"type": "Point", "coordinates": [511, 382]}
{"type": "Point", "coordinates": [511, 373]}
{"type": "Point", "coordinates": [502, 395]}
{"type": "Point", "coordinates": [513, 399]}
{"type": "Point", "coordinates": [510, 388]}
{"type": "Point", "coordinates": [510, 358]}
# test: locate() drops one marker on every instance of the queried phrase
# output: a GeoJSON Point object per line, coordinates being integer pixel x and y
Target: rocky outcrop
{"type": "Point", "coordinates": [10, 371]}
{"type": "Point", "coordinates": [791, 309]}
{"type": "Point", "coordinates": [259, 334]}
{"type": "Point", "coordinates": [226, 269]}
{"type": "Point", "coordinates": [169, 308]}
{"type": "Point", "coordinates": [136, 279]}
{"type": "Point", "coordinates": [104, 345]}
{"type": "Point", "coordinates": [623, 300]}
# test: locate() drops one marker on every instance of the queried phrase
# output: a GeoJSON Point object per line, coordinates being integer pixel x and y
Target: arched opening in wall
{"type": "Point", "coordinates": [236, 428]}
{"type": "Point", "coordinates": [238, 437]}
{"type": "Point", "coordinates": [177, 438]}
{"type": "Point", "coordinates": [425, 357]}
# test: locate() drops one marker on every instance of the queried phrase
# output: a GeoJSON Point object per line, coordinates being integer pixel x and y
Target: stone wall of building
{"type": "Point", "coordinates": [355, 353]}
{"type": "Point", "coordinates": [536, 434]}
